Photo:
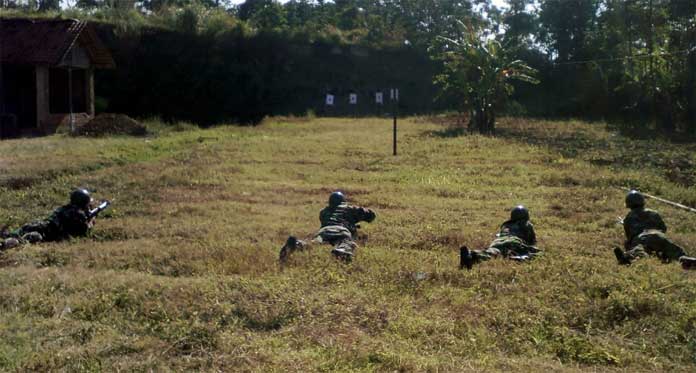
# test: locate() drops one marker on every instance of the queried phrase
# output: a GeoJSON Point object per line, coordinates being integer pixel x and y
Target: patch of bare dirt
{"type": "Point", "coordinates": [111, 124]}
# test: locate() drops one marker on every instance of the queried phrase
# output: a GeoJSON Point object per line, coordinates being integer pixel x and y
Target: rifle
{"type": "Point", "coordinates": [665, 201]}
{"type": "Point", "coordinates": [97, 210]}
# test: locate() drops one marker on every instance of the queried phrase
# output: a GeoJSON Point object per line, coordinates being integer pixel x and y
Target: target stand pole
{"type": "Point", "coordinates": [394, 132]}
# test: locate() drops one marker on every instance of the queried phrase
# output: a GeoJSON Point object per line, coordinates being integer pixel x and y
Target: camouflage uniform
{"type": "Point", "coordinates": [65, 222]}
{"type": "Point", "coordinates": [515, 240]}
{"type": "Point", "coordinates": [339, 227]}
{"type": "Point", "coordinates": [645, 234]}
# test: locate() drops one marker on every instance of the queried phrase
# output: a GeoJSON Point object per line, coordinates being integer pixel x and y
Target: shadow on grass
{"type": "Point", "coordinates": [450, 132]}
{"type": "Point", "coordinates": [671, 156]}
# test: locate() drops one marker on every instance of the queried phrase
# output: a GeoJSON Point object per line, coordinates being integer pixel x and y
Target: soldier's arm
{"type": "Point", "coordinates": [362, 214]}
{"type": "Point", "coordinates": [532, 240]}
{"type": "Point", "coordinates": [323, 218]}
{"type": "Point", "coordinates": [660, 223]}
{"type": "Point", "coordinates": [80, 222]}
{"type": "Point", "coordinates": [627, 226]}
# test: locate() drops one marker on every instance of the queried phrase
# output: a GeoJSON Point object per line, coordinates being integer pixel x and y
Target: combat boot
{"type": "Point", "coordinates": [5, 232]}
{"type": "Point", "coordinates": [291, 245]}
{"type": "Point", "coordinates": [342, 255]}
{"type": "Point", "coordinates": [33, 237]}
{"type": "Point", "coordinates": [688, 262]}
{"type": "Point", "coordinates": [9, 243]}
{"type": "Point", "coordinates": [466, 258]}
{"type": "Point", "coordinates": [344, 250]}
{"type": "Point", "coordinates": [621, 257]}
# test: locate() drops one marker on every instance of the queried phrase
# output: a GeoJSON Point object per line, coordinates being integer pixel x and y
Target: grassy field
{"type": "Point", "coordinates": [182, 273]}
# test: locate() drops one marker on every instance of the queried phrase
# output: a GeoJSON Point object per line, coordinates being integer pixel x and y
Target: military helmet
{"type": "Point", "coordinates": [80, 197]}
{"type": "Point", "coordinates": [336, 198]}
{"type": "Point", "coordinates": [519, 213]}
{"type": "Point", "coordinates": [635, 199]}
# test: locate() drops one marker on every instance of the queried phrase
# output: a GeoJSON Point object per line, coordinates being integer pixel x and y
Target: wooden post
{"type": "Point", "coordinates": [42, 95]}
{"type": "Point", "coordinates": [89, 91]}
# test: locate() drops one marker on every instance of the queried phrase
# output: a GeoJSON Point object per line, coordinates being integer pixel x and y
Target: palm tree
{"type": "Point", "coordinates": [479, 72]}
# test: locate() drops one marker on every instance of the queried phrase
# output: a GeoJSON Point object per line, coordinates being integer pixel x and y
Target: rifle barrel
{"type": "Point", "coordinates": [665, 201]}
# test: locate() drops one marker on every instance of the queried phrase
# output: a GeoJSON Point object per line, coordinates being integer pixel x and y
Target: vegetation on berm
{"type": "Point", "coordinates": [182, 274]}
{"type": "Point", "coordinates": [209, 61]}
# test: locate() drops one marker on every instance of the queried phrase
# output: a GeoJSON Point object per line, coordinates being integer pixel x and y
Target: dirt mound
{"type": "Point", "coordinates": [111, 124]}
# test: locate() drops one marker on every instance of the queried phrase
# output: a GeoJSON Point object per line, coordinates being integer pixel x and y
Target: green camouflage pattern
{"type": "Point", "coordinates": [654, 242]}
{"type": "Point", "coordinates": [346, 216]}
{"type": "Point", "coordinates": [333, 234]}
{"type": "Point", "coordinates": [339, 226]}
{"type": "Point", "coordinates": [640, 220]}
{"type": "Point", "coordinates": [515, 239]}
{"type": "Point", "coordinates": [65, 222]}
{"type": "Point", "coordinates": [645, 235]}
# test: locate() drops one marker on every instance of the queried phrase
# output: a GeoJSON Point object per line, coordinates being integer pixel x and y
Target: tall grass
{"type": "Point", "coordinates": [182, 274]}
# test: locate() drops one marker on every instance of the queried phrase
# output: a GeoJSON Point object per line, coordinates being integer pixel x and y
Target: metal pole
{"type": "Point", "coordinates": [395, 102]}
{"type": "Point", "coordinates": [628, 35]}
{"type": "Point", "coordinates": [2, 85]}
{"type": "Point", "coordinates": [651, 47]}
{"type": "Point", "coordinates": [70, 100]}
{"type": "Point", "coordinates": [2, 82]}
{"type": "Point", "coordinates": [394, 132]}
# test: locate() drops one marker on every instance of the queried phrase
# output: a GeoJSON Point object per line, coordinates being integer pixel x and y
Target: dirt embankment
{"type": "Point", "coordinates": [111, 124]}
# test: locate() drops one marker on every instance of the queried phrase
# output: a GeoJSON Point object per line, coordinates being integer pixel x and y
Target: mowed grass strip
{"type": "Point", "coordinates": [182, 273]}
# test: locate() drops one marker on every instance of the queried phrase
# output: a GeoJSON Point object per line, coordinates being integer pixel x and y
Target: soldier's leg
{"type": "Point", "coordinates": [672, 251]}
{"type": "Point", "coordinates": [34, 232]}
{"type": "Point", "coordinates": [661, 246]}
{"type": "Point", "coordinates": [29, 233]}
{"type": "Point", "coordinates": [292, 244]}
{"type": "Point", "coordinates": [488, 254]}
{"type": "Point", "coordinates": [333, 234]}
{"type": "Point", "coordinates": [345, 250]}
{"type": "Point", "coordinates": [626, 257]}
{"type": "Point", "coordinates": [467, 258]}
{"type": "Point", "coordinates": [9, 243]}
{"type": "Point", "coordinates": [519, 251]}
{"type": "Point", "coordinates": [688, 262]}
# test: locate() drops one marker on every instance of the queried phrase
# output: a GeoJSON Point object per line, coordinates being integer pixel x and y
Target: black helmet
{"type": "Point", "coordinates": [336, 199]}
{"type": "Point", "coordinates": [519, 213]}
{"type": "Point", "coordinates": [80, 197]}
{"type": "Point", "coordinates": [635, 199]}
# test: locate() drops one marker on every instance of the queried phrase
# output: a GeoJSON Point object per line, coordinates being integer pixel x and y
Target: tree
{"type": "Point", "coordinates": [46, 5]}
{"type": "Point", "coordinates": [479, 71]}
{"type": "Point", "coordinates": [263, 14]}
{"type": "Point", "coordinates": [566, 26]}
{"type": "Point", "coordinates": [520, 25]}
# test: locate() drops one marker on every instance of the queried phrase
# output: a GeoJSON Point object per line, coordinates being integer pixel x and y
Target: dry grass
{"type": "Point", "coordinates": [181, 274]}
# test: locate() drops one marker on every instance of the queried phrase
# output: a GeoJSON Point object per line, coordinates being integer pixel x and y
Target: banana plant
{"type": "Point", "coordinates": [479, 71]}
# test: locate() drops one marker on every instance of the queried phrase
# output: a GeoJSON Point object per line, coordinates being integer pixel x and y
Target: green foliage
{"type": "Point", "coordinates": [629, 62]}
{"type": "Point", "coordinates": [235, 75]}
{"type": "Point", "coordinates": [479, 71]}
